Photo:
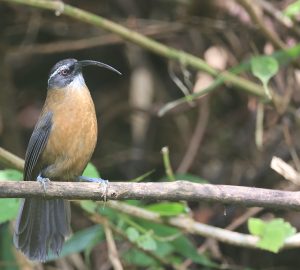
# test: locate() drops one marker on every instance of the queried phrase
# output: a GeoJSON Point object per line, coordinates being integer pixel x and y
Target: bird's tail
{"type": "Point", "coordinates": [42, 225]}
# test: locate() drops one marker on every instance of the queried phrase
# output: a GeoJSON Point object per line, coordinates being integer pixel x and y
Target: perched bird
{"type": "Point", "coordinates": [59, 149]}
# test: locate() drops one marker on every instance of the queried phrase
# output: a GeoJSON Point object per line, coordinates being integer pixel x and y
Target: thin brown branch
{"type": "Point", "coordinates": [189, 225]}
{"type": "Point", "coordinates": [174, 191]}
{"type": "Point", "coordinates": [102, 220]}
{"type": "Point", "coordinates": [80, 44]}
{"type": "Point", "coordinates": [278, 15]}
{"type": "Point", "coordinates": [112, 248]}
{"type": "Point", "coordinates": [10, 160]}
{"type": "Point", "coordinates": [197, 137]}
{"type": "Point", "coordinates": [249, 6]}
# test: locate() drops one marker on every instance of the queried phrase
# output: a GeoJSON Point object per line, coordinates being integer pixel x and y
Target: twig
{"type": "Point", "coordinates": [167, 163]}
{"type": "Point", "coordinates": [269, 34]}
{"type": "Point", "coordinates": [173, 191]}
{"type": "Point", "coordinates": [186, 223]}
{"type": "Point", "coordinates": [10, 160]}
{"type": "Point", "coordinates": [189, 225]}
{"type": "Point", "coordinates": [79, 44]}
{"type": "Point", "coordinates": [102, 220]}
{"type": "Point", "coordinates": [278, 15]}
{"type": "Point", "coordinates": [290, 144]}
{"type": "Point", "coordinates": [112, 248]}
{"type": "Point", "coordinates": [147, 43]}
{"type": "Point", "coordinates": [284, 169]}
{"type": "Point", "coordinates": [197, 137]}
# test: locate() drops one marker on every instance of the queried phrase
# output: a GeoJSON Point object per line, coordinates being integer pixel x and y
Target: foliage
{"type": "Point", "coordinates": [292, 9]}
{"type": "Point", "coordinates": [9, 207]}
{"type": "Point", "coordinates": [272, 234]}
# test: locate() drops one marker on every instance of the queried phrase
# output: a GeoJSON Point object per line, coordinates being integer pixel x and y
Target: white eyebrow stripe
{"type": "Point", "coordinates": [57, 71]}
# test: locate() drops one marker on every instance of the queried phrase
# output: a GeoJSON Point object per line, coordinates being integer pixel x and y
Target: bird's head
{"type": "Point", "coordinates": [68, 70]}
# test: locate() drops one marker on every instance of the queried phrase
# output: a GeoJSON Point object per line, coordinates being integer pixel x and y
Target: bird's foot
{"type": "Point", "coordinates": [44, 182]}
{"type": "Point", "coordinates": [101, 181]}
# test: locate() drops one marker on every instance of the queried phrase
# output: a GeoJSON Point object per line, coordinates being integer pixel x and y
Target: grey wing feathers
{"type": "Point", "coordinates": [37, 144]}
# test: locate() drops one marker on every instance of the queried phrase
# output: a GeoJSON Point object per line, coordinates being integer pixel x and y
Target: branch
{"type": "Point", "coordinates": [181, 222]}
{"type": "Point", "coordinates": [174, 191]}
{"type": "Point", "coordinates": [113, 254]}
{"type": "Point", "coordinates": [256, 18]}
{"type": "Point", "coordinates": [189, 225]}
{"type": "Point", "coordinates": [147, 43]}
{"type": "Point", "coordinates": [10, 160]}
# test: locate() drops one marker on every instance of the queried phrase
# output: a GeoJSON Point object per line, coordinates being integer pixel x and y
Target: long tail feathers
{"type": "Point", "coordinates": [42, 225]}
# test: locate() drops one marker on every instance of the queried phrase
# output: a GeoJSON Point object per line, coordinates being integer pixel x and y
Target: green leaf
{"type": "Point", "coordinates": [91, 171]}
{"type": "Point", "coordinates": [181, 245]}
{"type": "Point", "coordinates": [184, 246]}
{"type": "Point", "coordinates": [146, 242]}
{"type": "Point", "coordinates": [272, 234]}
{"type": "Point", "coordinates": [138, 258]}
{"type": "Point", "coordinates": [293, 9]}
{"type": "Point", "coordinates": [167, 208]}
{"type": "Point", "coordinates": [10, 174]}
{"type": "Point", "coordinates": [256, 226]}
{"type": "Point", "coordinates": [132, 234]}
{"type": "Point", "coordinates": [8, 209]}
{"type": "Point", "coordinates": [80, 241]}
{"type": "Point", "coordinates": [89, 206]}
{"type": "Point", "coordinates": [264, 67]}
{"type": "Point", "coordinates": [190, 177]}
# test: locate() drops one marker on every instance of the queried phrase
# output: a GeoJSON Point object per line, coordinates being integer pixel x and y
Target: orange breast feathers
{"type": "Point", "coordinates": [73, 135]}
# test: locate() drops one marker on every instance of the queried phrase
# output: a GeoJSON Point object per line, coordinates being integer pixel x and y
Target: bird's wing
{"type": "Point", "coordinates": [37, 144]}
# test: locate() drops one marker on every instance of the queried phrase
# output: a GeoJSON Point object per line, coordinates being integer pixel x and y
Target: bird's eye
{"type": "Point", "coordinates": [64, 72]}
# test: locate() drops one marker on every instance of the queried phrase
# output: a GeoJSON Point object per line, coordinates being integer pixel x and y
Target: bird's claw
{"type": "Point", "coordinates": [44, 182]}
{"type": "Point", "coordinates": [101, 181]}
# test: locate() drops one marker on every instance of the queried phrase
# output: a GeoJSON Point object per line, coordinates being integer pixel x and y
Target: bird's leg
{"type": "Point", "coordinates": [95, 180]}
{"type": "Point", "coordinates": [44, 181]}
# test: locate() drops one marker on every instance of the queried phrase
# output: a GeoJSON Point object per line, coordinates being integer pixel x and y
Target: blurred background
{"type": "Point", "coordinates": [211, 138]}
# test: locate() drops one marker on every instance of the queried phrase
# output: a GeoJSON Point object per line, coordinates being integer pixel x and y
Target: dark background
{"type": "Point", "coordinates": [131, 134]}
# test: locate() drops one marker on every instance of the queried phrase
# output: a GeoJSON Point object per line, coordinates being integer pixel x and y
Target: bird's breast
{"type": "Point", "coordinates": [73, 135]}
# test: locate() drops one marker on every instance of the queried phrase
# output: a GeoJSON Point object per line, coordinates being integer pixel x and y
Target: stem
{"type": "Point", "coordinates": [145, 42]}
{"type": "Point", "coordinates": [167, 164]}
{"type": "Point", "coordinates": [259, 130]}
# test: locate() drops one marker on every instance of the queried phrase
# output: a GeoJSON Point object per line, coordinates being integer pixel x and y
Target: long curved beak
{"type": "Point", "coordinates": [84, 63]}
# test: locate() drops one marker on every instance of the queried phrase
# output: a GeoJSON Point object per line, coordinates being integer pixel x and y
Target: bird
{"type": "Point", "coordinates": [59, 149]}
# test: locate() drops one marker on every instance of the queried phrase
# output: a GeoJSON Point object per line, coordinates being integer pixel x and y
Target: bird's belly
{"type": "Point", "coordinates": [70, 147]}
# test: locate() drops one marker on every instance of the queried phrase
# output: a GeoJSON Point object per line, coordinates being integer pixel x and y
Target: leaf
{"type": "Point", "coordinates": [293, 9]}
{"type": "Point", "coordinates": [8, 209]}
{"type": "Point", "coordinates": [256, 226]}
{"type": "Point", "coordinates": [146, 242]}
{"type": "Point", "coordinates": [272, 234]}
{"type": "Point", "coordinates": [132, 234]}
{"type": "Point", "coordinates": [10, 174]}
{"type": "Point", "coordinates": [89, 206]}
{"type": "Point", "coordinates": [264, 67]}
{"type": "Point", "coordinates": [139, 258]}
{"type": "Point", "coordinates": [80, 241]}
{"type": "Point", "coordinates": [182, 245]}
{"type": "Point", "coordinates": [167, 208]}
{"type": "Point", "coordinates": [91, 171]}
